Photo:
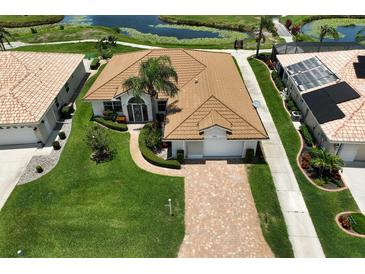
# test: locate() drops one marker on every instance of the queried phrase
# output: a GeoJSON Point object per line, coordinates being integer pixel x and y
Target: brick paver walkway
{"type": "Point", "coordinates": [220, 214]}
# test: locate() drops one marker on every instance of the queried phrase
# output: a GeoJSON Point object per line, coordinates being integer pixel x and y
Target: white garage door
{"type": "Point", "coordinates": [14, 136]}
{"type": "Point", "coordinates": [222, 148]}
{"type": "Point", "coordinates": [194, 149]}
{"type": "Point", "coordinates": [360, 156]}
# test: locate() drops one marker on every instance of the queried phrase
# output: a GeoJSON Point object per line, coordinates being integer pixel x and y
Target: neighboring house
{"type": "Point", "coordinates": [329, 89]}
{"type": "Point", "coordinates": [33, 89]}
{"type": "Point", "coordinates": [212, 116]}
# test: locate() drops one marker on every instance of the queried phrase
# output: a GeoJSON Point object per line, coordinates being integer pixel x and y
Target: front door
{"type": "Point", "coordinates": [137, 111]}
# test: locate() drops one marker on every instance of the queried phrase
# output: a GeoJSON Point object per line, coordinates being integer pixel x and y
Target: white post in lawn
{"type": "Point", "coordinates": [170, 206]}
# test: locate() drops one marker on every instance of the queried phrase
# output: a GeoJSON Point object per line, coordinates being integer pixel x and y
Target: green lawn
{"type": "Point", "coordinates": [323, 206]}
{"type": "Point", "coordinates": [271, 218]}
{"type": "Point", "coordinates": [83, 209]}
{"type": "Point", "coordinates": [28, 20]}
{"type": "Point", "coordinates": [87, 48]}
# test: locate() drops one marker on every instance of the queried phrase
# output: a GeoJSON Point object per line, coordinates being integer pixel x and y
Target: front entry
{"type": "Point", "coordinates": [137, 110]}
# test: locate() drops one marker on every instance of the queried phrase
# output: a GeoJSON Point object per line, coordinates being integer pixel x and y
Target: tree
{"type": "Point", "coordinates": [156, 74]}
{"type": "Point", "coordinates": [327, 30]}
{"type": "Point", "coordinates": [5, 36]}
{"type": "Point", "coordinates": [105, 45]}
{"type": "Point", "coordinates": [265, 23]}
{"type": "Point", "coordinates": [325, 162]}
{"type": "Point", "coordinates": [97, 140]}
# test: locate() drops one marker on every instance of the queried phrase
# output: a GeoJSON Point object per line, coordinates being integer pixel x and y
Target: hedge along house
{"type": "Point", "coordinates": [212, 115]}
{"type": "Point", "coordinates": [33, 89]}
{"type": "Point", "coordinates": [329, 89]}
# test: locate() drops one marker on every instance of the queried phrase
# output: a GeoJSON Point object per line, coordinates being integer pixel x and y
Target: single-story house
{"type": "Point", "coordinates": [329, 88]}
{"type": "Point", "coordinates": [212, 115]}
{"type": "Point", "coordinates": [33, 88]}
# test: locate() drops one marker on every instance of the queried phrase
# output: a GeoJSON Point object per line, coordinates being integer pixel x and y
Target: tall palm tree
{"type": "Point", "coordinates": [156, 74]}
{"type": "Point", "coordinates": [5, 36]}
{"type": "Point", "coordinates": [325, 162]}
{"type": "Point", "coordinates": [327, 30]}
{"type": "Point", "coordinates": [265, 23]}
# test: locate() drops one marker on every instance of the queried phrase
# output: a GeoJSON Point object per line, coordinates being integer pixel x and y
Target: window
{"type": "Point", "coordinates": [56, 102]}
{"type": "Point", "coordinates": [161, 106]}
{"type": "Point", "coordinates": [113, 105]}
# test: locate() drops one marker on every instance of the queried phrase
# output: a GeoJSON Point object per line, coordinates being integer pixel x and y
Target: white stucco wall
{"type": "Point", "coordinates": [176, 145]}
{"type": "Point", "coordinates": [98, 108]}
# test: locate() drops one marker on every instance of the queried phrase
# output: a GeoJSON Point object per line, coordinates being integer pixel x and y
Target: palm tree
{"type": "Point", "coordinates": [327, 30]}
{"type": "Point", "coordinates": [5, 36]}
{"type": "Point", "coordinates": [325, 162]}
{"type": "Point", "coordinates": [265, 22]}
{"type": "Point", "coordinates": [106, 44]}
{"type": "Point", "coordinates": [155, 75]}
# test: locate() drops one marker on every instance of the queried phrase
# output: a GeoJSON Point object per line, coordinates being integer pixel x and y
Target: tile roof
{"type": "Point", "coordinates": [351, 128]}
{"type": "Point", "coordinates": [30, 81]}
{"type": "Point", "coordinates": [213, 118]}
{"type": "Point", "coordinates": [207, 82]}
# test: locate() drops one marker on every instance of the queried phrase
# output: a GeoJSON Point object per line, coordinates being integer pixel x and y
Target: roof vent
{"type": "Point", "coordinates": [196, 80]}
{"type": "Point", "coordinates": [256, 104]}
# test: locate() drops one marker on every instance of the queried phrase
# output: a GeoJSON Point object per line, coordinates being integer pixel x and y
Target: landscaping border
{"type": "Point", "coordinates": [344, 230]}
{"type": "Point", "coordinates": [302, 146]}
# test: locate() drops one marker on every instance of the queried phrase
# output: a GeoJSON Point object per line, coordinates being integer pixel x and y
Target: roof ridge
{"type": "Point", "coordinates": [148, 52]}
{"type": "Point", "coordinates": [212, 112]}
{"type": "Point", "coordinates": [194, 58]}
{"type": "Point", "coordinates": [187, 117]}
{"type": "Point", "coordinates": [240, 116]}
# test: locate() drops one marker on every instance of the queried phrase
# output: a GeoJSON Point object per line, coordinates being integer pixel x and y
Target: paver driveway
{"type": "Point", "coordinates": [220, 215]}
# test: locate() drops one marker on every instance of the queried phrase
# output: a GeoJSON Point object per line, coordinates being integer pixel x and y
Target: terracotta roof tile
{"type": "Point", "coordinates": [30, 81]}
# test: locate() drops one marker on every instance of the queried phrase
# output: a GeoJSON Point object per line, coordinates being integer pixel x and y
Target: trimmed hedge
{"type": "Point", "coordinates": [95, 63]}
{"type": "Point", "coordinates": [307, 135]}
{"type": "Point", "coordinates": [151, 157]}
{"type": "Point", "coordinates": [110, 124]}
{"type": "Point", "coordinates": [278, 82]}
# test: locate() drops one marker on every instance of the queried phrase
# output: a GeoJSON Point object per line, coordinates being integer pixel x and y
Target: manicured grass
{"type": "Point", "coordinates": [235, 22]}
{"type": "Point", "coordinates": [28, 20]}
{"type": "Point", "coordinates": [84, 209]}
{"type": "Point", "coordinates": [323, 206]}
{"type": "Point", "coordinates": [271, 218]}
{"type": "Point", "coordinates": [87, 48]}
{"type": "Point", "coordinates": [359, 223]}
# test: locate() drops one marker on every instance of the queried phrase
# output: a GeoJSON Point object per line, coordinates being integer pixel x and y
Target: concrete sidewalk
{"type": "Point", "coordinates": [302, 234]}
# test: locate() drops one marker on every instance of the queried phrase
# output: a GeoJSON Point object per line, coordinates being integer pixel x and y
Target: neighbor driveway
{"type": "Point", "coordinates": [220, 214]}
{"type": "Point", "coordinates": [13, 161]}
{"type": "Point", "coordinates": [354, 178]}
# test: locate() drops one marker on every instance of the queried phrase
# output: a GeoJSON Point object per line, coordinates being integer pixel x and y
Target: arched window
{"type": "Point", "coordinates": [137, 110]}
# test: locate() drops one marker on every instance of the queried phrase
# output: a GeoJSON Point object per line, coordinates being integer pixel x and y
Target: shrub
{"type": "Point", "coordinates": [290, 105]}
{"type": "Point", "coordinates": [106, 54]}
{"type": "Point", "coordinates": [180, 156]}
{"type": "Point", "coordinates": [288, 23]}
{"type": "Point", "coordinates": [66, 111]}
{"type": "Point", "coordinates": [39, 169]}
{"type": "Point", "coordinates": [95, 63]}
{"type": "Point", "coordinates": [278, 82]}
{"type": "Point", "coordinates": [62, 135]}
{"type": "Point", "coordinates": [33, 30]}
{"type": "Point", "coordinates": [320, 182]}
{"type": "Point", "coordinates": [98, 141]}
{"type": "Point", "coordinates": [116, 29]}
{"type": "Point", "coordinates": [62, 27]}
{"type": "Point", "coordinates": [358, 222]}
{"type": "Point", "coordinates": [151, 157]}
{"type": "Point", "coordinates": [345, 222]}
{"type": "Point", "coordinates": [111, 124]}
{"type": "Point", "coordinates": [56, 145]}
{"type": "Point", "coordinates": [250, 153]}
{"type": "Point", "coordinates": [307, 135]}
{"type": "Point", "coordinates": [109, 114]}
{"type": "Point", "coordinates": [295, 29]}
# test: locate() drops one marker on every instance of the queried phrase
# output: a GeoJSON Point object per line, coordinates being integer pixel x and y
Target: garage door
{"type": "Point", "coordinates": [14, 136]}
{"type": "Point", "coordinates": [194, 149]}
{"type": "Point", "coordinates": [222, 148]}
{"type": "Point", "coordinates": [360, 156]}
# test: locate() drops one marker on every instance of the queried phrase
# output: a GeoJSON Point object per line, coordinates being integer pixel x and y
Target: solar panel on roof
{"type": "Point", "coordinates": [304, 65]}
{"type": "Point", "coordinates": [360, 69]}
{"type": "Point", "coordinates": [361, 58]}
{"type": "Point", "coordinates": [323, 102]}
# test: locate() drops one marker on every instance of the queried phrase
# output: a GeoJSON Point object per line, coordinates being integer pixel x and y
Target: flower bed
{"type": "Point", "coordinates": [110, 124]}
{"type": "Point", "coordinates": [149, 154]}
{"type": "Point", "coordinates": [352, 223]}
